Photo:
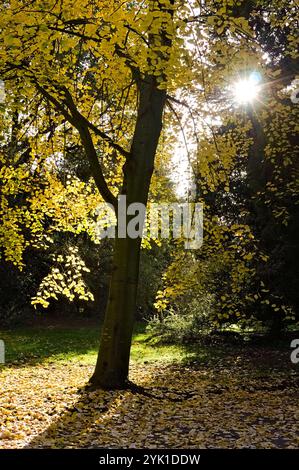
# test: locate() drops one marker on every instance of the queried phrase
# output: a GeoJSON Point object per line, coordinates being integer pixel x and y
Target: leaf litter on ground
{"type": "Point", "coordinates": [221, 405]}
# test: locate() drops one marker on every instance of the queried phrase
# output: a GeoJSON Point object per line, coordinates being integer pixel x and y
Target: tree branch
{"type": "Point", "coordinates": [95, 166]}
{"type": "Point", "coordinates": [80, 123]}
{"type": "Point", "coordinates": [74, 110]}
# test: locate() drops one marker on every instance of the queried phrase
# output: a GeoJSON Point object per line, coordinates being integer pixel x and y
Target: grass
{"type": "Point", "coordinates": [35, 345]}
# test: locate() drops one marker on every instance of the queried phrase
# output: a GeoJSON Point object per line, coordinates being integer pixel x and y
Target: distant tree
{"type": "Point", "coordinates": [246, 174]}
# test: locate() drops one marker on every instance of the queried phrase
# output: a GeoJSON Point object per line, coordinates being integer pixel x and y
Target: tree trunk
{"type": "Point", "coordinates": [113, 361]}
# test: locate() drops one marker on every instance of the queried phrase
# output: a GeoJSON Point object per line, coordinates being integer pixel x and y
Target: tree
{"type": "Point", "coordinates": [78, 53]}
{"type": "Point", "coordinates": [245, 174]}
{"type": "Point", "coordinates": [102, 73]}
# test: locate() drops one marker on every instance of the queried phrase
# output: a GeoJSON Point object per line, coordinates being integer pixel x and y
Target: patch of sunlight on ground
{"type": "Point", "coordinates": [36, 345]}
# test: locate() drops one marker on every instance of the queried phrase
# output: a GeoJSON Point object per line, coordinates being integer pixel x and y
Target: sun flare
{"type": "Point", "coordinates": [246, 91]}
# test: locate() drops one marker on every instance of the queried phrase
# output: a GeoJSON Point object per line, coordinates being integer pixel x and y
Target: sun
{"type": "Point", "coordinates": [246, 91]}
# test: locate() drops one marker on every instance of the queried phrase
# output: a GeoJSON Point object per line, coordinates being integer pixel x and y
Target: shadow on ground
{"type": "Point", "coordinates": [226, 406]}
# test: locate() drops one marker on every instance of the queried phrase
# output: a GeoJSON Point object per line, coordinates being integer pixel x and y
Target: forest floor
{"type": "Point", "coordinates": [198, 397]}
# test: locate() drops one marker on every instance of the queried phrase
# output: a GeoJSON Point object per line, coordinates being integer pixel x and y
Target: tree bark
{"type": "Point", "coordinates": [113, 360]}
{"type": "Point", "coordinates": [114, 353]}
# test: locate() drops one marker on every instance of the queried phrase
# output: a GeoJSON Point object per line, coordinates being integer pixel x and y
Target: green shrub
{"type": "Point", "coordinates": [188, 322]}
